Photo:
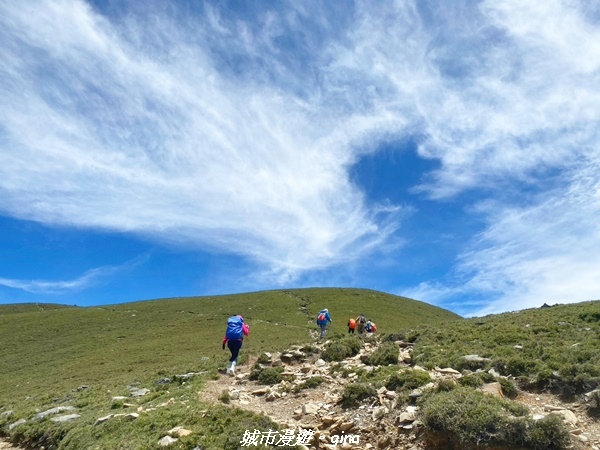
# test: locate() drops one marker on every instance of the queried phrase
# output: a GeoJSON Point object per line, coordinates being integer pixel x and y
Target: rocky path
{"type": "Point", "coordinates": [383, 423]}
{"type": "Point", "coordinates": [6, 445]}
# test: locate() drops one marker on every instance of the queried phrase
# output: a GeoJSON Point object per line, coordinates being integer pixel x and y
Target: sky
{"type": "Point", "coordinates": [444, 151]}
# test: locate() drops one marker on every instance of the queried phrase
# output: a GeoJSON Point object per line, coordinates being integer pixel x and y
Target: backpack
{"type": "Point", "coordinates": [373, 328]}
{"type": "Point", "coordinates": [234, 328]}
{"type": "Point", "coordinates": [352, 324]}
{"type": "Point", "coordinates": [321, 317]}
{"type": "Point", "coordinates": [362, 319]}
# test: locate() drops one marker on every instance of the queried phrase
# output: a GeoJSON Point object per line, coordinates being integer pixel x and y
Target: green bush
{"type": "Point", "coordinates": [343, 348]}
{"type": "Point", "coordinates": [408, 380]}
{"type": "Point", "coordinates": [445, 385]}
{"type": "Point", "coordinates": [225, 397]}
{"type": "Point", "coordinates": [354, 393]}
{"type": "Point", "coordinates": [270, 375]}
{"type": "Point", "coordinates": [509, 388]}
{"type": "Point", "coordinates": [474, 418]}
{"type": "Point", "coordinates": [311, 383]}
{"type": "Point", "coordinates": [385, 354]}
{"type": "Point", "coordinates": [471, 380]}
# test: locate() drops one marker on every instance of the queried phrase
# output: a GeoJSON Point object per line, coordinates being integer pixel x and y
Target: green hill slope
{"type": "Point", "coordinates": [58, 349]}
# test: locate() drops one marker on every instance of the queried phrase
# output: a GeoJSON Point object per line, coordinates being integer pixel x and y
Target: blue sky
{"type": "Point", "coordinates": [448, 152]}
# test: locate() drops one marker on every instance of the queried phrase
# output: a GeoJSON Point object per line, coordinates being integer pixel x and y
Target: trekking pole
{"type": "Point", "coordinates": [248, 354]}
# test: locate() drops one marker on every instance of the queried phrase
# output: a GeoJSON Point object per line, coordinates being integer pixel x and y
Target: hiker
{"type": "Point", "coordinates": [234, 336]}
{"type": "Point", "coordinates": [322, 318]}
{"type": "Point", "coordinates": [370, 326]}
{"type": "Point", "coordinates": [361, 321]}
{"type": "Point", "coordinates": [351, 326]}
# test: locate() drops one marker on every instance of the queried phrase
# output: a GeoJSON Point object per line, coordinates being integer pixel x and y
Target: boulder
{"type": "Point", "coordinates": [65, 418]}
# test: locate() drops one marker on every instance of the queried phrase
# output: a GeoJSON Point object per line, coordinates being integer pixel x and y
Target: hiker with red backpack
{"type": "Point", "coordinates": [322, 319]}
{"type": "Point", "coordinates": [351, 326]}
{"type": "Point", "coordinates": [234, 336]}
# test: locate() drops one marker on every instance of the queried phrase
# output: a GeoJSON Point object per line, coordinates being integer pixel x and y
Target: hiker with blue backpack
{"type": "Point", "coordinates": [234, 336]}
{"type": "Point", "coordinates": [322, 319]}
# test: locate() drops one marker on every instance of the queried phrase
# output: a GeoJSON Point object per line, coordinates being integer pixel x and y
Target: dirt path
{"type": "Point", "coordinates": [6, 445]}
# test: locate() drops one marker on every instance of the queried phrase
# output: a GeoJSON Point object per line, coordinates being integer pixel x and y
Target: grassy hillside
{"type": "Point", "coordinates": [48, 355]}
{"type": "Point", "coordinates": [553, 348]}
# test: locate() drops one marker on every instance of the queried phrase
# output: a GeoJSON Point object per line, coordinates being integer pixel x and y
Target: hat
{"type": "Point", "coordinates": [326, 310]}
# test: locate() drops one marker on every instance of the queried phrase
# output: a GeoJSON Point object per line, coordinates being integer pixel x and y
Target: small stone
{"type": "Point", "coordinates": [179, 432]}
{"type": "Point", "coordinates": [310, 408]}
{"type": "Point", "coordinates": [65, 418]}
{"type": "Point", "coordinates": [166, 441]}
{"type": "Point", "coordinates": [16, 424]}
{"type": "Point", "coordinates": [448, 370]}
{"type": "Point", "coordinates": [103, 419]}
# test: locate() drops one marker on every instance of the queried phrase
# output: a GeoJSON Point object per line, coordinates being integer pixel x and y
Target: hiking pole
{"type": "Point", "coordinates": [248, 354]}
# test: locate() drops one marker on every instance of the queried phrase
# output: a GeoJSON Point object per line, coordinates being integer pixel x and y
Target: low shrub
{"type": "Point", "coordinates": [355, 393]}
{"type": "Point", "coordinates": [311, 383]}
{"type": "Point", "coordinates": [475, 418]}
{"type": "Point", "coordinates": [270, 375]}
{"type": "Point", "coordinates": [343, 348]}
{"type": "Point", "coordinates": [225, 397]}
{"type": "Point", "coordinates": [408, 380]}
{"type": "Point", "coordinates": [509, 388]}
{"type": "Point", "coordinates": [385, 354]}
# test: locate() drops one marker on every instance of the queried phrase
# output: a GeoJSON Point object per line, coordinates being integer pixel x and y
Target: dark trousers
{"type": "Point", "coordinates": [351, 330]}
{"type": "Point", "coordinates": [234, 348]}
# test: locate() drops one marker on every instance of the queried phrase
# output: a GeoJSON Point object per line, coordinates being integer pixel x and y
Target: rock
{"type": "Point", "coordinates": [537, 417]}
{"type": "Point", "coordinates": [327, 420]}
{"type": "Point", "coordinates": [320, 363]}
{"type": "Point", "coordinates": [166, 441]}
{"type": "Point", "coordinates": [346, 426]}
{"type": "Point", "coordinates": [379, 413]}
{"type": "Point", "coordinates": [310, 408]}
{"type": "Point", "coordinates": [118, 398]}
{"type": "Point", "coordinates": [261, 391]}
{"type": "Point", "coordinates": [448, 371]}
{"type": "Point", "coordinates": [100, 420]}
{"type": "Point", "coordinates": [287, 358]}
{"type": "Point", "coordinates": [494, 389]}
{"type": "Point", "coordinates": [518, 347]}
{"type": "Point", "coordinates": [493, 373]}
{"type": "Point", "coordinates": [408, 416]}
{"type": "Point", "coordinates": [138, 392]}
{"type": "Point", "coordinates": [583, 438]}
{"type": "Point", "coordinates": [16, 424]}
{"type": "Point", "coordinates": [475, 358]}
{"type": "Point", "coordinates": [6, 413]}
{"type": "Point", "coordinates": [51, 411]}
{"type": "Point", "coordinates": [568, 416]}
{"type": "Point", "coordinates": [553, 408]}
{"type": "Point", "coordinates": [163, 381]}
{"type": "Point", "coordinates": [179, 432]}
{"type": "Point", "coordinates": [65, 418]}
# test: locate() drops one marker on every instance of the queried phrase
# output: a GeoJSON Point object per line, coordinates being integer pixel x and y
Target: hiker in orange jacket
{"type": "Point", "coordinates": [351, 326]}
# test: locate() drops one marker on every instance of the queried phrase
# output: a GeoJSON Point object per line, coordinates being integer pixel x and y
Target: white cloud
{"type": "Point", "coordinates": [99, 133]}
{"type": "Point", "coordinates": [90, 278]}
{"type": "Point", "coordinates": [210, 133]}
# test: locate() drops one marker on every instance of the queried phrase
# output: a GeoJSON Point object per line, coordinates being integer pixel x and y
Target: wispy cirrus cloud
{"type": "Point", "coordinates": [236, 131]}
{"type": "Point", "coordinates": [89, 278]}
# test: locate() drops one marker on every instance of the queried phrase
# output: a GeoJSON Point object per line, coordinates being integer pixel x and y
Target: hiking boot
{"type": "Point", "coordinates": [232, 371]}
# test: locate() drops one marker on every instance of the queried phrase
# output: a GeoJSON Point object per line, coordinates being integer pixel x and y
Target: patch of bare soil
{"type": "Point", "coordinates": [6, 445]}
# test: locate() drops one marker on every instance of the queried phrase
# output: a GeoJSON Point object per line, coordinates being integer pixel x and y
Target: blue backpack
{"type": "Point", "coordinates": [234, 328]}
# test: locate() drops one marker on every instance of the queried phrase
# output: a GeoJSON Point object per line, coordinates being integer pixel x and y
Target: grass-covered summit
{"type": "Point", "coordinates": [48, 351]}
